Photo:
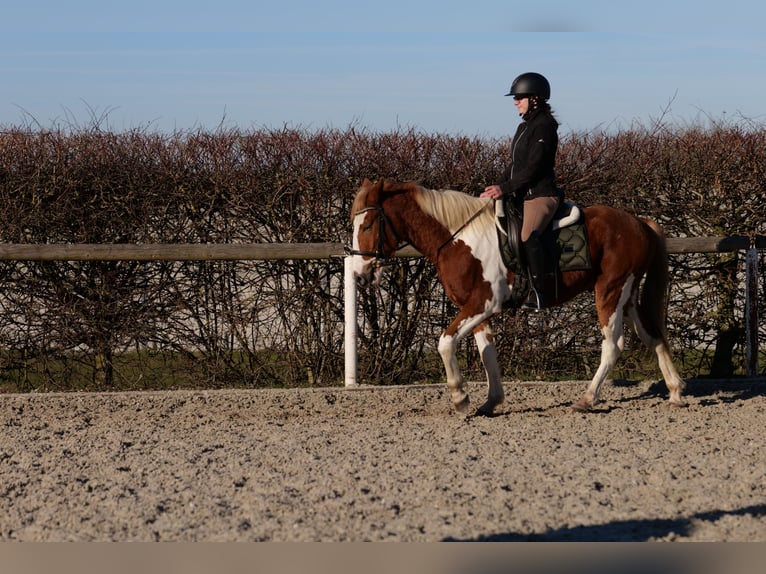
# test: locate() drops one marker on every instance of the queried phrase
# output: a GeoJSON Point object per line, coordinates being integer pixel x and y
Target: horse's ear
{"type": "Point", "coordinates": [374, 191]}
{"type": "Point", "coordinates": [366, 183]}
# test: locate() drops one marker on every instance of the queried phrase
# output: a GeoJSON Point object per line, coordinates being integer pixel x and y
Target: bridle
{"type": "Point", "coordinates": [380, 254]}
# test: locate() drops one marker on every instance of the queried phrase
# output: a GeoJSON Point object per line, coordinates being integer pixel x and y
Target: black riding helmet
{"type": "Point", "coordinates": [531, 84]}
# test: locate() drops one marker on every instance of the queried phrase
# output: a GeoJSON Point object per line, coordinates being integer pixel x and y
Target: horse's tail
{"type": "Point", "coordinates": [654, 295]}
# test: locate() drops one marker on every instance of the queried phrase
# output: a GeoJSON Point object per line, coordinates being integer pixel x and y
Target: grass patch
{"type": "Point", "coordinates": [152, 370]}
{"type": "Point", "coordinates": [172, 370]}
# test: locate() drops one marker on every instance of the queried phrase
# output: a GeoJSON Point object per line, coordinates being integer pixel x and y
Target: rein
{"type": "Point", "coordinates": [461, 228]}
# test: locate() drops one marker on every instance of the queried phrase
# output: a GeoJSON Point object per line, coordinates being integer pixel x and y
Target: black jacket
{"type": "Point", "coordinates": [533, 159]}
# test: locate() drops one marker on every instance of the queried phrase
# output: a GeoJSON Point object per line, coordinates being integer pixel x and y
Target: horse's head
{"type": "Point", "coordinates": [374, 239]}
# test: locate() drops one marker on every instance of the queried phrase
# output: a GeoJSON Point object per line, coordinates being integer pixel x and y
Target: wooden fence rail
{"type": "Point", "coordinates": [295, 251]}
{"type": "Point", "coordinates": [168, 251]}
{"type": "Point", "coordinates": [272, 251]}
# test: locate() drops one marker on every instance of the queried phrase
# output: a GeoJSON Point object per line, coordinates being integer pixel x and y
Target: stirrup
{"type": "Point", "coordinates": [534, 301]}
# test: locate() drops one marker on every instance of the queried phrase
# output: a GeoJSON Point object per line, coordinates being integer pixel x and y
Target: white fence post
{"type": "Point", "coordinates": [350, 329]}
{"type": "Point", "coordinates": [751, 311]}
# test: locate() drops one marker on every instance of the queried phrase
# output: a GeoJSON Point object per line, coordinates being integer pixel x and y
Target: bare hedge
{"type": "Point", "coordinates": [128, 325]}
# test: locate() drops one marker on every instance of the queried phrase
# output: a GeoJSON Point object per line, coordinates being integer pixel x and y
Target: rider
{"type": "Point", "coordinates": [530, 176]}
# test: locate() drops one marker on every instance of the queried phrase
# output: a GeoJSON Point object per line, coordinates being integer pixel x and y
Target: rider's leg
{"type": "Point", "coordinates": [538, 213]}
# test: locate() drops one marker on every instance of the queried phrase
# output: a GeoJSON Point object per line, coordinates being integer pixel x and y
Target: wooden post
{"type": "Point", "coordinates": [751, 311]}
{"type": "Point", "coordinates": [351, 327]}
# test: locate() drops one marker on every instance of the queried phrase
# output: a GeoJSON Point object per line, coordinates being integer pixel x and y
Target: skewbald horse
{"type": "Point", "coordinates": [456, 232]}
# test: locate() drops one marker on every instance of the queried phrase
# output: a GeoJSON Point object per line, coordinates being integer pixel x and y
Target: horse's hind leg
{"type": "Point", "coordinates": [486, 345]}
{"type": "Point", "coordinates": [673, 380]}
{"type": "Point", "coordinates": [611, 318]}
{"type": "Point", "coordinates": [659, 346]}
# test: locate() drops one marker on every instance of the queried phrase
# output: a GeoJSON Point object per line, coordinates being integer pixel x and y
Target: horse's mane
{"type": "Point", "coordinates": [451, 208]}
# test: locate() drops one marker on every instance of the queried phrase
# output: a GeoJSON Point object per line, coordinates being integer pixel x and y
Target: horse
{"type": "Point", "coordinates": [456, 232]}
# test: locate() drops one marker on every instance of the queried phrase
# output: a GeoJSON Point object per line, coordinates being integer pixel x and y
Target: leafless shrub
{"type": "Point", "coordinates": [211, 323]}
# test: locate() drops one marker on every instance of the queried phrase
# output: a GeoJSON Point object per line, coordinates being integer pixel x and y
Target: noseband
{"type": "Point", "coordinates": [383, 222]}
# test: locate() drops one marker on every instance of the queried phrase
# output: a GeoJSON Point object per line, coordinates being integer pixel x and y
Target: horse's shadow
{"type": "Point", "coordinates": [640, 530]}
{"type": "Point", "coordinates": [600, 409]}
{"type": "Point", "coordinates": [709, 391]}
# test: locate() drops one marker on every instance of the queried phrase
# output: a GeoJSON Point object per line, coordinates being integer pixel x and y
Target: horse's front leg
{"type": "Point", "coordinates": [448, 343]}
{"type": "Point", "coordinates": [486, 344]}
{"type": "Point", "coordinates": [448, 351]}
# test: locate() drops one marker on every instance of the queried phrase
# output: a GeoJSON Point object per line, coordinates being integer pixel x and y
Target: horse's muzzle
{"type": "Point", "coordinates": [368, 272]}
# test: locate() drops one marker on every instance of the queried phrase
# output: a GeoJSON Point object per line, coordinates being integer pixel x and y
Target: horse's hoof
{"type": "Point", "coordinates": [582, 406]}
{"type": "Point", "coordinates": [488, 408]}
{"type": "Point", "coordinates": [463, 406]}
{"type": "Point", "coordinates": [679, 404]}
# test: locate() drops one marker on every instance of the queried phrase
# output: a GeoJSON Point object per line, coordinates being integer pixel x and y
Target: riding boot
{"type": "Point", "coordinates": [533, 248]}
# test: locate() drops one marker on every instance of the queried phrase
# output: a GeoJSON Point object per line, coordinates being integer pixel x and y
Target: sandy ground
{"type": "Point", "coordinates": [385, 464]}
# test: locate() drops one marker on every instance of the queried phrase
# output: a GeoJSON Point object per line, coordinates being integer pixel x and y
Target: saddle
{"type": "Point", "coordinates": [565, 241]}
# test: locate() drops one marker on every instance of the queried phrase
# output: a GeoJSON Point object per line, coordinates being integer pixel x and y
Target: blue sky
{"type": "Point", "coordinates": [439, 67]}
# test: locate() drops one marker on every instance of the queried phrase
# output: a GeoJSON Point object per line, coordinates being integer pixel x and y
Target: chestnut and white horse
{"type": "Point", "coordinates": [456, 231]}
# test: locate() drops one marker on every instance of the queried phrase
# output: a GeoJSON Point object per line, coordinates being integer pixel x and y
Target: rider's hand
{"type": "Point", "coordinates": [492, 191]}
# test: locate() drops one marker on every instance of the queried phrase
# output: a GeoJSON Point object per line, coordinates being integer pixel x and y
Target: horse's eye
{"type": "Point", "coordinates": [367, 227]}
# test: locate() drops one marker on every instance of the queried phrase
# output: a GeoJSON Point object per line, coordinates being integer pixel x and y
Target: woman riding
{"type": "Point", "coordinates": [530, 176]}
